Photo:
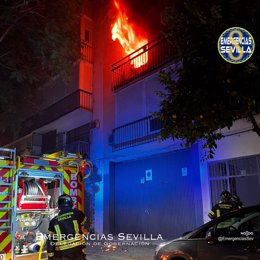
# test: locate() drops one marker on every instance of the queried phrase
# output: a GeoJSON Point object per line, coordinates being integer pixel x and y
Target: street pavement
{"type": "Point", "coordinates": [121, 252]}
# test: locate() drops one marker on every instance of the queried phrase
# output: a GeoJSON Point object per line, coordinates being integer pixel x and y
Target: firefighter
{"type": "Point", "coordinates": [236, 199]}
{"type": "Point", "coordinates": [66, 240]}
{"type": "Point", "coordinates": [225, 205]}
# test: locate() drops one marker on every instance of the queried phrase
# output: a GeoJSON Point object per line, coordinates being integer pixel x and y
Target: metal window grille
{"type": "Point", "coordinates": [78, 139]}
{"type": "Point", "coordinates": [223, 174]}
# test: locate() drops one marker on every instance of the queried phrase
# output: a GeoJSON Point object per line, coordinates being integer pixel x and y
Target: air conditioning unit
{"type": "Point", "coordinates": [154, 125]}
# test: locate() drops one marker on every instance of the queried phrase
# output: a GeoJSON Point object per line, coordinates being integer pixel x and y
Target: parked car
{"type": "Point", "coordinates": [234, 236]}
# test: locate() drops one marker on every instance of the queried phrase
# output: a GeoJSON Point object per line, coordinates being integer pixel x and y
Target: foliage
{"type": "Point", "coordinates": [94, 177]}
{"type": "Point", "coordinates": [204, 93]}
{"type": "Point", "coordinates": [39, 39]}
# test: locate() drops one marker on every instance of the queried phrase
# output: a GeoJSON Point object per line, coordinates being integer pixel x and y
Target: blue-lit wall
{"type": "Point", "coordinates": [138, 100]}
{"type": "Point", "coordinates": [170, 204]}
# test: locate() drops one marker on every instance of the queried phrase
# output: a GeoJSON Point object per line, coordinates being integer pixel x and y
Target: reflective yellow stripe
{"type": "Point", "coordinates": [71, 245]}
{"type": "Point", "coordinates": [76, 226]}
{"type": "Point", "coordinates": [34, 167]}
{"type": "Point", "coordinates": [84, 221]}
{"type": "Point", "coordinates": [218, 213]}
{"type": "Point", "coordinates": [66, 189]}
{"type": "Point", "coordinates": [5, 162]}
{"type": "Point", "coordinates": [211, 213]}
{"type": "Point", "coordinates": [5, 242]}
{"type": "Point", "coordinates": [8, 174]}
{"type": "Point", "coordinates": [70, 240]}
{"type": "Point", "coordinates": [58, 232]}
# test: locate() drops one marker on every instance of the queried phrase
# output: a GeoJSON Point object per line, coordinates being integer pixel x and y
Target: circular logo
{"type": "Point", "coordinates": [236, 45]}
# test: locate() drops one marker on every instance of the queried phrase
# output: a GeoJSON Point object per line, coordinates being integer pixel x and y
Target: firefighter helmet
{"type": "Point", "coordinates": [225, 196]}
{"type": "Point", "coordinates": [65, 201]}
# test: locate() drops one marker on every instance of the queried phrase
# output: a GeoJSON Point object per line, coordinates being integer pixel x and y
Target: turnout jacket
{"type": "Point", "coordinates": [222, 208]}
{"type": "Point", "coordinates": [65, 233]}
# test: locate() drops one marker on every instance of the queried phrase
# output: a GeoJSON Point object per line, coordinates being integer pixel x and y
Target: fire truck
{"type": "Point", "coordinates": [29, 189]}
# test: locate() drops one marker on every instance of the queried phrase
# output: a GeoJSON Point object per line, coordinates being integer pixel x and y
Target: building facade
{"type": "Point", "coordinates": [106, 112]}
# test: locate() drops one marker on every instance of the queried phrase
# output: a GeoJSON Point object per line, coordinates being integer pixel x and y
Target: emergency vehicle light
{"type": "Point", "coordinates": [40, 162]}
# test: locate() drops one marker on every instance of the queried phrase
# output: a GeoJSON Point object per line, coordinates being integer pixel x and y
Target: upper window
{"type": "Point", "coordinates": [86, 38]}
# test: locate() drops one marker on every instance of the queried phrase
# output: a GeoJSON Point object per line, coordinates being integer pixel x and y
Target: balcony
{"type": "Point", "coordinates": [79, 99]}
{"type": "Point", "coordinates": [158, 53]}
{"type": "Point", "coordinates": [139, 132]}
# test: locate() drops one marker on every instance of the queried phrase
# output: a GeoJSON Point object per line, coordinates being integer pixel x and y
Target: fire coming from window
{"type": "Point", "coordinates": [122, 30]}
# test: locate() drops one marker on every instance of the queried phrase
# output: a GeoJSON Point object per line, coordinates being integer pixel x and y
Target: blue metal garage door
{"type": "Point", "coordinates": [158, 195]}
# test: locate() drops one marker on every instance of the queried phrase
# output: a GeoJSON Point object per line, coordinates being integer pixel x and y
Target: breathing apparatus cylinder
{"type": "Point", "coordinates": [35, 247]}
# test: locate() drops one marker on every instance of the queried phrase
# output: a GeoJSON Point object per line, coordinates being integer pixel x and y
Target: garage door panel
{"type": "Point", "coordinates": [164, 205]}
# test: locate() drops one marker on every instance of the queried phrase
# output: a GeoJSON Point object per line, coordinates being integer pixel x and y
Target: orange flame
{"type": "Point", "coordinates": [123, 31]}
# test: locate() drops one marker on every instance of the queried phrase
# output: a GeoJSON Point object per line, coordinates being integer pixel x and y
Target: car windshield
{"type": "Point", "coordinates": [237, 221]}
{"type": "Point", "coordinates": [240, 223]}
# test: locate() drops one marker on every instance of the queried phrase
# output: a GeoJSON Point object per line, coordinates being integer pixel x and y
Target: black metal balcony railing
{"type": "Point", "coordinates": [78, 147]}
{"type": "Point", "coordinates": [157, 52]}
{"type": "Point", "coordinates": [78, 99]}
{"type": "Point", "coordinates": [86, 52]}
{"type": "Point", "coordinates": [142, 131]}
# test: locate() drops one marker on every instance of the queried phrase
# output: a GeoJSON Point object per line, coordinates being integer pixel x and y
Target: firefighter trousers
{"type": "Point", "coordinates": [73, 256]}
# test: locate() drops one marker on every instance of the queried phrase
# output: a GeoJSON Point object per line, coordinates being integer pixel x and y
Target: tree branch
{"type": "Point", "coordinates": [4, 54]}
{"type": "Point", "coordinates": [28, 11]}
{"type": "Point", "coordinates": [6, 66]}
{"type": "Point", "coordinates": [6, 32]}
{"type": "Point", "coordinates": [19, 5]}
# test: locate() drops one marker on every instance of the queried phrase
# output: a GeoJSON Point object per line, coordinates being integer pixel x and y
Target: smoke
{"type": "Point", "coordinates": [146, 15]}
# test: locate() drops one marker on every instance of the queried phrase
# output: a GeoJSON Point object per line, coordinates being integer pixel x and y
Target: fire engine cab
{"type": "Point", "coordinates": [29, 189]}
